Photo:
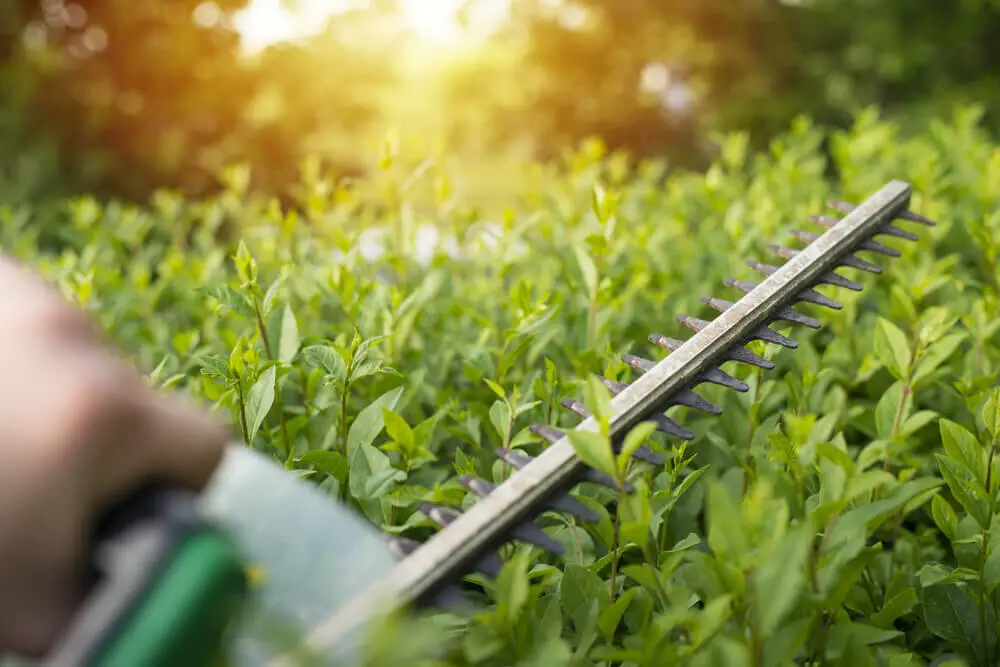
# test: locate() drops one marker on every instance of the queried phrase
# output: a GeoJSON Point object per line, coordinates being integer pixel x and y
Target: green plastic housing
{"type": "Point", "coordinates": [187, 610]}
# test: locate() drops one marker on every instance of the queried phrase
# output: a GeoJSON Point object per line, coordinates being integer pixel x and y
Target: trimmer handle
{"type": "Point", "coordinates": [164, 591]}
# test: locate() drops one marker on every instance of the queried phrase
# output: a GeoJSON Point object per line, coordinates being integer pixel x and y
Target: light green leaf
{"type": "Point", "coordinates": [368, 424]}
{"type": "Point", "coordinates": [288, 340]}
{"type": "Point", "coordinates": [779, 581]}
{"type": "Point", "coordinates": [577, 590]}
{"type": "Point", "coordinates": [594, 449]}
{"type": "Point", "coordinates": [397, 428]}
{"type": "Point", "coordinates": [259, 400]}
{"type": "Point", "coordinates": [597, 398]}
{"type": "Point", "coordinates": [892, 348]}
{"type": "Point", "coordinates": [612, 615]}
{"type": "Point", "coordinates": [638, 435]}
{"type": "Point", "coordinates": [327, 359]}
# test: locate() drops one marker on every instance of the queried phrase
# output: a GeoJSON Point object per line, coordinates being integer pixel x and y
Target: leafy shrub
{"type": "Point", "coordinates": [847, 501]}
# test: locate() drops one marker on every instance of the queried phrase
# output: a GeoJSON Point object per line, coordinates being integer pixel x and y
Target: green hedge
{"type": "Point", "coordinates": [849, 498]}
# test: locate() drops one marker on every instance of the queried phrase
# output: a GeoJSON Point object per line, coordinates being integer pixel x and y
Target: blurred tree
{"type": "Point", "coordinates": [130, 96]}
{"type": "Point", "coordinates": [656, 76]}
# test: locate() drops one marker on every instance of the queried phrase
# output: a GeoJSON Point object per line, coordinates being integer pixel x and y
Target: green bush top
{"type": "Point", "coordinates": [381, 347]}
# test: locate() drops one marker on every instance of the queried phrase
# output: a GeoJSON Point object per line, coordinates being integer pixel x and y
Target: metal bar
{"type": "Point", "coordinates": [436, 561]}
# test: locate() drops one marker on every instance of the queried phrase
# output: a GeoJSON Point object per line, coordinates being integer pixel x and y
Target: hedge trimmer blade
{"type": "Point", "coordinates": [507, 512]}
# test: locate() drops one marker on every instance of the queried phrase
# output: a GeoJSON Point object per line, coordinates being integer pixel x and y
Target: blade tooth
{"type": "Point", "coordinates": [576, 407]}
{"type": "Point", "coordinates": [760, 267]}
{"type": "Point", "coordinates": [741, 285]}
{"type": "Point", "coordinates": [764, 333]}
{"type": "Point", "coordinates": [824, 220]}
{"type": "Point", "coordinates": [782, 251]}
{"type": "Point", "coordinates": [614, 387]}
{"type": "Point", "coordinates": [717, 376]}
{"type": "Point", "coordinates": [745, 356]}
{"type": "Point", "coordinates": [532, 534]}
{"type": "Point", "coordinates": [514, 457]}
{"type": "Point", "coordinates": [480, 487]}
{"type": "Point", "coordinates": [720, 305]}
{"type": "Point", "coordinates": [667, 425]}
{"type": "Point", "coordinates": [666, 343]}
{"type": "Point", "coordinates": [596, 477]}
{"type": "Point", "coordinates": [769, 335]}
{"type": "Point", "coordinates": [574, 507]}
{"type": "Point", "coordinates": [857, 263]}
{"type": "Point", "coordinates": [490, 564]}
{"type": "Point", "coordinates": [714, 375]}
{"type": "Point", "coordinates": [805, 237]}
{"type": "Point", "coordinates": [440, 515]}
{"type": "Point", "coordinates": [792, 315]}
{"type": "Point", "coordinates": [875, 246]}
{"type": "Point", "coordinates": [845, 207]}
{"type": "Point", "coordinates": [400, 547]}
{"type": "Point", "coordinates": [692, 323]}
{"type": "Point", "coordinates": [837, 280]}
{"type": "Point", "coordinates": [645, 454]}
{"type": "Point", "coordinates": [894, 231]}
{"type": "Point", "coordinates": [638, 363]}
{"type": "Point", "coordinates": [690, 399]}
{"type": "Point", "coordinates": [812, 296]}
{"type": "Point", "coordinates": [547, 432]}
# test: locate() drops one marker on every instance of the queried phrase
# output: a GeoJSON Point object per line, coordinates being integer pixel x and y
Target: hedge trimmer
{"type": "Point", "coordinates": [170, 582]}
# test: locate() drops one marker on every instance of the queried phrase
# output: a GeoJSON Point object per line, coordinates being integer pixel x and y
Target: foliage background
{"type": "Point", "coordinates": [117, 98]}
{"type": "Point", "coordinates": [248, 230]}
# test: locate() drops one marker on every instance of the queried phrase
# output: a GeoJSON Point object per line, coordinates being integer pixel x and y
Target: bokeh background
{"type": "Point", "coordinates": [119, 98]}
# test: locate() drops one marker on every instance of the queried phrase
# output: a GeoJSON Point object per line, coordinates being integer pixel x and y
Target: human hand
{"type": "Point", "coordinates": [79, 430]}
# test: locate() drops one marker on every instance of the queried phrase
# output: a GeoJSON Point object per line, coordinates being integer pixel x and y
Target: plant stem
{"type": "Point", "coordinates": [614, 545]}
{"type": "Point", "coordinates": [243, 413]}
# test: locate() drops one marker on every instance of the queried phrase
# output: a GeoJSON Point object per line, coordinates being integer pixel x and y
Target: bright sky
{"type": "Point", "coordinates": [266, 22]}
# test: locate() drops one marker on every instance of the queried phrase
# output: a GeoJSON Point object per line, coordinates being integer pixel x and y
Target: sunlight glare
{"type": "Point", "coordinates": [265, 22]}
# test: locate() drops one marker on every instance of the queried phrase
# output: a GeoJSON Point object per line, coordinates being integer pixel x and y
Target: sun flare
{"type": "Point", "coordinates": [266, 22]}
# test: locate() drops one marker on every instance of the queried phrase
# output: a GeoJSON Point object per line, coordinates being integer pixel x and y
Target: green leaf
{"type": "Point", "coordinates": [230, 298]}
{"type": "Point", "coordinates": [497, 389]}
{"type": "Point", "coordinates": [329, 462]}
{"type": "Point", "coordinates": [593, 449]}
{"type": "Point", "coordinates": [966, 490]}
{"type": "Point", "coordinates": [577, 590]}
{"type": "Point", "coordinates": [597, 399]}
{"type": "Point", "coordinates": [398, 429]}
{"type": "Point", "coordinates": [944, 517]}
{"type": "Point", "coordinates": [369, 423]}
{"type": "Point", "coordinates": [611, 617]}
{"type": "Point", "coordinates": [259, 400]}
{"type": "Point", "coordinates": [327, 359]}
{"type": "Point", "coordinates": [991, 571]}
{"type": "Point", "coordinates": [779, 581]}
{"type": "Point", "coordinates": [892, 349]}
{"type": "Point", "coordinates": [288, 338]}
{"type": "Point", "coordinates": [588, 270]}
{"type": "Point", "coordinates": [512, 586]}
{"type": "Point", "coordinates": [951, 613]}
{"type": "Point", "coordinates": [638, 435]}
{"type": "Point", "coordinates": [500, 418]}
{"type": "Point", "coordinates": [892, 411]}
{"type": "Point", "coordinates": [963, 447]}
{"type": "Point", "coordinates": [895, 608]}
{"type": "Point", "coordinates": [726, 531]}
